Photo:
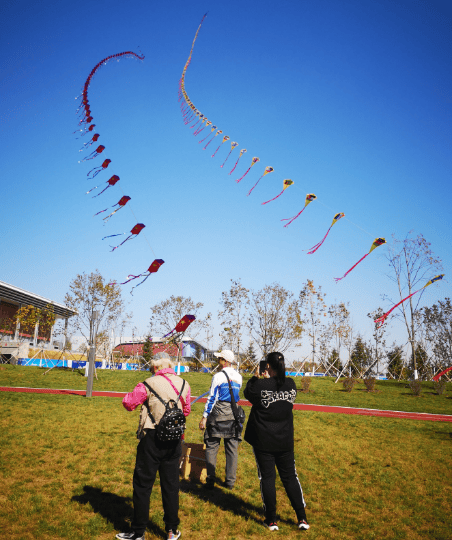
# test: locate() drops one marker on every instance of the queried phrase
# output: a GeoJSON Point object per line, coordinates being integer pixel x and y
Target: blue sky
{"type": "Point", "coordinates": [351, 100]}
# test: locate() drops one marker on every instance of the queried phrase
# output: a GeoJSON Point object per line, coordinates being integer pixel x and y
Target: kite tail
{"type": "Point", "coordinates": [91, 156]}
{"type": "Point", "coordinates": [92, 189]}
{"type": "Point", "coordinates": [97, 169]}
{"type": "Point", "coordinates": [116, 247]}
{"type": "Point", "coordinates": [198, 131]}
{"type": "Point", "coordinates": [98, 193]}
{"type": "Point", "coordinates": [132, 277]}
{"type": "Point", "coordinates": [100, 212]}
{"type": "Point", "coordinates": [348, 271]}
{"type": "Point", "coordinates": [279, 194]}
{"type": "Point", "coordinates": [316, 247]}
{"type": "Point", "coordinates": [109, 216]}
{"type": "Point", "coordinates": [209, 142]}
{"type": "Point", "coordinates": [381, 319]}
{"type": "Point", "coordinates": [139, 284]}
{"type": "Point", "coordinates": [292, 219]}
{"type": "Point", "coordinates": [249, 192]}
{"type": "Point", "coordinates": [226, 159]}
{"type": "Point", "coordinates": [111, 235]}
{"type": "Point", "coordinates": [233, 168]}
{"type": "Point", "coordinates": [241, 178]}
{"type": "Point", "coordinates": [213, 155]}
{"type": "Point", "coordinates": [191, 127]}
{"type": "Point", "coordinates": [206, 137]}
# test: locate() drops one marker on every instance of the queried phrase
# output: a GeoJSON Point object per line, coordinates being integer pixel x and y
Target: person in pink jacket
{"type": "Point", "coordinates": [152, 454]}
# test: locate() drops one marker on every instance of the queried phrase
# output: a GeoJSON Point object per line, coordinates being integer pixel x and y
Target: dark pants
{"type": "Point", "coordinates": [153, 456]}
{"type": "Point", "coordinates": [285, 463]}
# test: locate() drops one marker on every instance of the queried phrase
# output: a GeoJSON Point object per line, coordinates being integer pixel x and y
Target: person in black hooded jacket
{"type": "Point", "coordinates": [270, 432]}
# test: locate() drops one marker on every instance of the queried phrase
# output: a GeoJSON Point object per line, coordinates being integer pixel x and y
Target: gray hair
{"type": "Point", "coordinates": [162, 363]}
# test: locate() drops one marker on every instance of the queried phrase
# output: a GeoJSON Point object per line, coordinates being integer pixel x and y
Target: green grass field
{"type": "Point", "coordinates": [66, 465]}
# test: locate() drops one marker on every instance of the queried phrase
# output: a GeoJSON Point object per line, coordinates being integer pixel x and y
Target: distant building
{"type": "Point", "coordinates": [187, 348]}
{"type": "Point", "coordinates": [12, 299]}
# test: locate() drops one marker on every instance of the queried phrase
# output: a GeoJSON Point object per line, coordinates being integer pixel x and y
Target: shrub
{"type": "Point", "coordinates": [305, 384]}
{"type": "Point", "coordinates": [416, 387]}
{"type": "Point", "coordinates": [370, 384]}
{"type": "Point", "coordinates": [349, 383]}
{"type": "Point", "coordinates": [440, 386]}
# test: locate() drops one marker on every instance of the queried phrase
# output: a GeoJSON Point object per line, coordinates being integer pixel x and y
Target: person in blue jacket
{"type": "Point", "coordinates": [218, 420]}
{"type": "Point", "coordinates": [271, 434]}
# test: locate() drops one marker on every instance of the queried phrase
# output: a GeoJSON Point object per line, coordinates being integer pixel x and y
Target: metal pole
{"type": "Point", "coordinates": [91, 355]}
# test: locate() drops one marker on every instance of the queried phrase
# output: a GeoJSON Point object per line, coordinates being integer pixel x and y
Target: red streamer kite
{"type": "Point", "coordinates": [377, 242]}
{"type": "Point", "coordinates": [182, 325]}
{"type": "Point", "coordinates": [134, 232]}
{"type": "Point", "coordinates": [93, 140]}
{"type": "Point", "coordinates": [336, 218]}
{"type": "Point", "coordinates": [104, 165]}
{"type": "Point", "coordinates": [381, 319]}
{"type": "Point", "coordinates": [111, 182]}
{"type": "Point", "coordinates": [309, 198]}
{"type": "Point", "coordinates": [121, 203]}
{"type": "Point", "coordinates": [94, 154]}
{"type": "Point", "coordinates": [151, 270]}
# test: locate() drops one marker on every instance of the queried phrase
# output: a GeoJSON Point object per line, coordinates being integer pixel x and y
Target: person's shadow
{"type": "Point", "coordinates": [114, 508]}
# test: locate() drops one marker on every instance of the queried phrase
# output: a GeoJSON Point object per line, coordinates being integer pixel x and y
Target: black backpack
{"type": "Point", "coordinates": [172, 424]}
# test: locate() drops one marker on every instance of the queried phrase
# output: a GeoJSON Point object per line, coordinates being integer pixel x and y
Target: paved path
{"type": "Point", "coordinates": [297, 406]}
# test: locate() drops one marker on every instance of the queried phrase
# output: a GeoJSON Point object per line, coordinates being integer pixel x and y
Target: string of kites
{"type": "Point", "coordinates": [199, 122]}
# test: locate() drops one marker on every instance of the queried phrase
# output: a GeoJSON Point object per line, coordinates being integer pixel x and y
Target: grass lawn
{"type": "Point", "coordinates": [66, 465]}
{"type": "Point", "coordinates": [390, 395]}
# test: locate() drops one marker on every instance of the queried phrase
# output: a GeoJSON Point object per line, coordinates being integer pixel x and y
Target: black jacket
{"type": "Point", "coordinates": [270, 424]}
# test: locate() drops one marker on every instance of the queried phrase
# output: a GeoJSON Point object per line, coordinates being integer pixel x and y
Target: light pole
{"type": "Point", "coordinates": [92, 353]}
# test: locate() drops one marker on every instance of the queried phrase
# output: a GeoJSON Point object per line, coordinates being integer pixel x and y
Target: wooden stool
{"type": "Point", "coordinates": [193, 461]}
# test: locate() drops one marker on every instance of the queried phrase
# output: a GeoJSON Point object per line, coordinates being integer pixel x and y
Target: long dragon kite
{"type": "Point", "coordinates": [309, 198]}
{"type": "Point", "coordinates": [377, 242]}
{"type": "Point", "coordinates": [380, 321]}
{"type": "Point", "coordinates": [336, 218]}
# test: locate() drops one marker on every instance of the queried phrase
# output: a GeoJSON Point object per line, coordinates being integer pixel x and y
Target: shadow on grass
{"type": "Point", "coordinates": [224, 499]}
{"type": "Point", "coordinates": [115, 509]}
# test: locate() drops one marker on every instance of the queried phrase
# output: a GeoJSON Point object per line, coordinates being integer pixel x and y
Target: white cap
{"type": "Point", "coordinates": [226, 355]}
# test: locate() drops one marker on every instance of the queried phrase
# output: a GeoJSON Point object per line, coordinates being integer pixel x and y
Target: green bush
{"type": "Point", "coordinates": [440, 386]}
{"type": "Point", "coordinates": [348, 383]}
{"type": "Point", "coordinates": [370, 384]}
{"type": "Point", "coordinates": [305, 384]}
{"type": "Point", "coordinates": [416, 387]}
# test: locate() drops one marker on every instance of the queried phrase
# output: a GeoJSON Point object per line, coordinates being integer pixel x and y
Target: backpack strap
{"type": "Point", "coordinates": [235, 411]}
{"type": "Point", "coordinates": [158, 397]}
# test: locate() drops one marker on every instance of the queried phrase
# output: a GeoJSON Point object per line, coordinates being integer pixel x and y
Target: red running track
{"type": "Point", "coordinates": [297, 406]}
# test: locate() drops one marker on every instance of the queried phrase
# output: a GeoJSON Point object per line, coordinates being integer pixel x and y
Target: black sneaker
{"type": "Point", "coordinates": [130, 536]}
{"type": "Point", "coordinates": [271, 525]}
{"type": "Point", "coordinates": [303, 525]}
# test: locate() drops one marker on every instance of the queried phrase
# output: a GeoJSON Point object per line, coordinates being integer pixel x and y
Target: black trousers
{"type": "Point", "coordinates": [285, 463]}
{"type": "Point", "coordinates": [152, 456]}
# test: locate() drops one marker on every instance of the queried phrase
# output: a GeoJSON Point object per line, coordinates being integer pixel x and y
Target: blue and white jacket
{"type": "Point", "coordinates": [219, 389]}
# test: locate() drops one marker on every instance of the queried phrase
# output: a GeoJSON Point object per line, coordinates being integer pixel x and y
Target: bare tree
{"type": "Point", "coordinates": [412, 262]}
{"type": "Point", "coordinates": [377, 347]}
{"type": "Point", "coordinates": [234, 314]}
{"type": "Point", "coordinates": [313, 311]}
{"type": "Point", "coordinates": [90, 294]}
{"type": "Point", "coordinates": [169, 312]}
{"type": "Point", "coordinates": [275, 322]}
{"type": "Point", "coordinates": [437, 322]}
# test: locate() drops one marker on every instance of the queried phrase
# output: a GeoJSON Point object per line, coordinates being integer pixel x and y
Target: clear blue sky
{"type": "Point", "coordinates": [351, 100]}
